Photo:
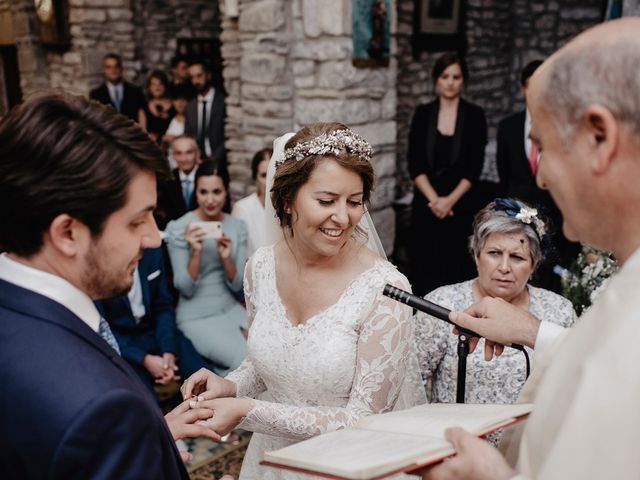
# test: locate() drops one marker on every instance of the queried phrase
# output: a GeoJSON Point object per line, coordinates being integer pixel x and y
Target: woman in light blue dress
{"type": "Point", "coordinates": [208, 272]}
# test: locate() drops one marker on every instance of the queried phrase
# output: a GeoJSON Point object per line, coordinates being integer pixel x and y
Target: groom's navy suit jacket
{"type": "Point", "coordinates": [71, 407]}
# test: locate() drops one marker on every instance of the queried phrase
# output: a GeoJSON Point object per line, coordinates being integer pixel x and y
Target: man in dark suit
{"type": "Point", "coordinates": [176, 196]}
{"type": "Point", "coordinates": [72, 407]}
{"type": "Point", "coordinates": [144, 324]}
{"type": "Point", "coordinates": [125, 97]}
{"type": "Point", "coordinates": [205, 114]}
{"type": "Point", "coordinates": [517, 162]}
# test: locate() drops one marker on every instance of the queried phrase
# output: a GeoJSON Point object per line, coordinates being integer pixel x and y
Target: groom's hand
{"type": "Point", "coordinates": [184, 421]}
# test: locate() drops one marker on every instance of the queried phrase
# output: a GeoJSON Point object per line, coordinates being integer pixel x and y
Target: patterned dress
{"type": "Point", "coordinates": [350, 360]}
{"type": "Point", "coordinates": [497, 381]}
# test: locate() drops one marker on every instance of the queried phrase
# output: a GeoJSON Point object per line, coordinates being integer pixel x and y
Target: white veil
{"type": "Point", "coordinates": [273, 231]}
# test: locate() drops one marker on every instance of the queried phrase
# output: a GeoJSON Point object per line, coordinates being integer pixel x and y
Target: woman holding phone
{"type": "Point", "coordinates": [208, 261]}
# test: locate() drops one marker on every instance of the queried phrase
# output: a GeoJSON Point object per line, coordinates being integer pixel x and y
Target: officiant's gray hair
{"type": "Point", "coordinates": [595, 75]}
{"type": "Point", "coordinates": [490, 220]}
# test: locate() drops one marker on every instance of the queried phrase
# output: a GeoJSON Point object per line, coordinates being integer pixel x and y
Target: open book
{"type": "Point", "coordinates": [381, 445]}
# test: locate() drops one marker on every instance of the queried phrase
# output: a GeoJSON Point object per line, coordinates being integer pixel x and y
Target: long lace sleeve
{"type": "Point", "coordinates": [383, 349]}
{"type": "Point", "coordinates": [248, 382]}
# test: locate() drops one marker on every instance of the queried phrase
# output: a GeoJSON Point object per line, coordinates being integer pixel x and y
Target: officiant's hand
{"type": "Point", "coordinates": [227, 413]}
{"type": "Point", "coordinates": [500, 322]}
{"type": "Point", "coordinates": [206, 385]}
{"type": "Point", "coordinates": [475, 460]}
{"type": "Point", "coordinates": [182, 423]}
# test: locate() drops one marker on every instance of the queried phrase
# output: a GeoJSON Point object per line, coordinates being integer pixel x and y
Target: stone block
{"type": "Point", "coordinates": [106, 3]}
{"type": "Point", "coordinates": [304, 82]}
{"type": "Point", "coordinates": [71, 58]}
{"type": "Point", "coordinates": [324, 49]}
{"type": "Point", "coordinates": [378, 133]}
{"type": "Point", "coordinates": [341, 75]}
{"type": "Point", "coordinates": [303, 67]}
{"type": "Point", "coordinates": [384, 194]}
{"type": "Point", "coordinates": [262, 16]}
{"type": "Point", "coordinates": [384, 164]}
{"type": "Point", "coordinates": [351, 111]}
{"type": "Point", "coordinates": [119, 14]}
{"type": "Point", "coordinates": [328, 17]}
{"type": "Point", "coordinates": [263, 69]}
{"type": "Point", "coordinates": [268, 109]}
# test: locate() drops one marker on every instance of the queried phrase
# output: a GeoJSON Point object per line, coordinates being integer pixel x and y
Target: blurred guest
{"type": "Point", "coordinates": [158, 110]}
{"type": "Point", "coordinates": [209, 271]}
{"type": "Point", "coordinates": [206, 113]}
{"type": "Point", "coordinates": [507, 246]}
{"type": "Point", "coordinates": [251, 208]}
{"type": "Point", "coordinates": [180, 75]}
{"type": "Point", "coordinates": [446, 154]}
{"type": "Point", "coordinates": [176, 196]}
{"type": "Point", "coordinates": [125, 97]}
{"type": "Point", "coordinates": [144, 324]}
{"type": "Point", "coordinates": [517, 162]}
{"type": "Point", "coordinates": [176, 126]}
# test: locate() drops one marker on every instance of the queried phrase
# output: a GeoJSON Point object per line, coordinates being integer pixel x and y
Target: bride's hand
{"type": "Point", "coordinates": [206, 385]}
{"type": "Point", "coordinates": [227, 413]}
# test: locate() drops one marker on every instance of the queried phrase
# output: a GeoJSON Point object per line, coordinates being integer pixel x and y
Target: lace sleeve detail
{"type": "Point", "coordinates": [248, 382]}
{"type": "Point", "coordinates": [383, 349]}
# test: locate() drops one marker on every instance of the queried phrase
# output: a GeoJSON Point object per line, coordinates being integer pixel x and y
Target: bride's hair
{"type": "Point", "coordinates": [293, 173]}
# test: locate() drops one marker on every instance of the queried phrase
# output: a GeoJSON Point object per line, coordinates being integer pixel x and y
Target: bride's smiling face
{"type": "Point", "coordinates": [327, 208]}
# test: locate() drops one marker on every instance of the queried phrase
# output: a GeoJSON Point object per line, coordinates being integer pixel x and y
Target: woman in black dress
{"type": "Point", "coordinates": [446, 154]}
{"type": "Point", "coordinates": [158, 112]}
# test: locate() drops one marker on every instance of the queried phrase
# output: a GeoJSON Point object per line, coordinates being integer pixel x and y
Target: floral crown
{"type": "Point", "coordinates": [526, 215]}
{"type": "Point", "coordinates": [332, 143]}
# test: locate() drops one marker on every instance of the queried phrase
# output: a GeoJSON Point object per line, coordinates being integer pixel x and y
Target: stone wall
{"type": "Point", "coordinates": [502, 38]}
{"type": "Point", "coordinates": [288, 64]}
{"type": "Point", "coordinates": [143, 32]}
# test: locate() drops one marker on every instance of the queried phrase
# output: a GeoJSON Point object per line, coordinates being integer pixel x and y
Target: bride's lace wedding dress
{"type": "Point", "coordinates": [352, 359]}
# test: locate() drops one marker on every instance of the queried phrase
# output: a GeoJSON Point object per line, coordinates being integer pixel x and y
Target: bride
{"type": "Point", "coordinates": [325, 346]}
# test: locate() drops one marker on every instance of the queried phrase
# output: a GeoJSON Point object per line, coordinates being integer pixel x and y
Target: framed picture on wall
{"type": "Point", "coordinates": [438, 25]}
{"type": "Point", "coordinates": [53, 22]}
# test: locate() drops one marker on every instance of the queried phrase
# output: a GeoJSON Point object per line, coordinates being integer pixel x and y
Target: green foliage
{"type": "Point", "coordinates": [586, 277]}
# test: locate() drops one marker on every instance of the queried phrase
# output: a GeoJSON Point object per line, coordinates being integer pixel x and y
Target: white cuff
{"type": "Point", "coordinates": [548, 334]}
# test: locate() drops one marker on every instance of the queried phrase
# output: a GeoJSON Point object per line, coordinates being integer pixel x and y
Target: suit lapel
{"type": "Point", "coordinates": [432, 127]}
{"type": "Point", "coordinates": [458, 132]}
{"type": "Point", "coordinates": [37, 306]}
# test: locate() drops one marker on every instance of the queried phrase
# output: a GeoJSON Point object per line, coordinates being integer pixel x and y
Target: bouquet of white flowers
{"type": "Point", "coordinates": [587, 277]}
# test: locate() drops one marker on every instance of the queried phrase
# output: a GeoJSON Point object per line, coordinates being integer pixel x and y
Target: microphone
{"type": "Point", "coordinates": [430, 308]}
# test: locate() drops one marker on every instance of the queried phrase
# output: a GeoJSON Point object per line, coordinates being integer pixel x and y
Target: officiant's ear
{"type": "Point", "coordinates": [603, 131]}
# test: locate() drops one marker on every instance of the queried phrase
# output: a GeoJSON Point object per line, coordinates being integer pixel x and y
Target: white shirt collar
{"type": "Point", "coordinates": [51, 286]}
{"type": "Point", "coordinates": [191, 176]}
{"type": "Point", "coordinates": [208, 97]}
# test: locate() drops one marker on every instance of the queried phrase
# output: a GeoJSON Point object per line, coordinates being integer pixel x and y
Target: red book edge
{"type": "Point", "coordinates": [407, 469]}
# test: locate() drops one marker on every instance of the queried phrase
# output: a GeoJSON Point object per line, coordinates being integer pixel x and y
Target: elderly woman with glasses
{"type": "Point", "coordinates": [507, 247]}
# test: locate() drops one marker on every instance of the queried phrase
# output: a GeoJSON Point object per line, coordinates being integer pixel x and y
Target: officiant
{"type": "Point", "coordinates": [585, 108]}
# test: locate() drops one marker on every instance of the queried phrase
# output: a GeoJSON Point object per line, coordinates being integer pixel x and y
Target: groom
{"type": "Point", "coordinates": [77, 191]}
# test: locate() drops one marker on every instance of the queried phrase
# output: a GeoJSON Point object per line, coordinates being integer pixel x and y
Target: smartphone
{"type": "Point", "coordinates": [211, 229]}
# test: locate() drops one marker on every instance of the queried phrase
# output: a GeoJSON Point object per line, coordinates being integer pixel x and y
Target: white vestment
{"type": "Point", "coordinates": [586, 393]}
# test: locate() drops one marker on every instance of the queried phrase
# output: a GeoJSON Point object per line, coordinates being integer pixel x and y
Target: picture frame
{"type": "Point", "coordinates": [439, 26]}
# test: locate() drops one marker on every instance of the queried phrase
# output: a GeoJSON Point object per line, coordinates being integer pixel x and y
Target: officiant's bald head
{"type": "Point", "coordinates": [585, 107]}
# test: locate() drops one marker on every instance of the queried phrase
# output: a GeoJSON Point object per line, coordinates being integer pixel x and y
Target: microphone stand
{"type": "Point", "coordinates": [442, 313]}
{"type": "Point", "coordinates": [463, 352]}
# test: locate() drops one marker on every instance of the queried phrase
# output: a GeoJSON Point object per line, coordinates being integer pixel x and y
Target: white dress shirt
{"type": "Point", "coordinates": [51, 286]}
{"type": "Point", "coordinates": [205, 115]}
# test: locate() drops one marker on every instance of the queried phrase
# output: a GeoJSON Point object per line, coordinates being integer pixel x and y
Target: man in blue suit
{"type": "Point", "coordinates": [144, 324]}
{"type": "Point", "coordinates": [77, 191]}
